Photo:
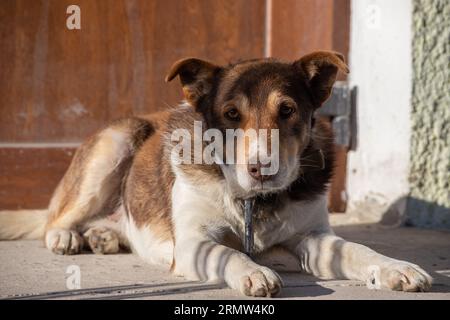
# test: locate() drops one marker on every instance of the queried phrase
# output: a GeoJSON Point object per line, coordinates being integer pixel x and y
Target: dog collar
{"type": "Point", "coordinates": [248, 229]}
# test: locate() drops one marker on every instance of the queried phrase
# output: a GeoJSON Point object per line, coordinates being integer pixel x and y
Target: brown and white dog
{"type": "Point", "coordinates": [190, 216]}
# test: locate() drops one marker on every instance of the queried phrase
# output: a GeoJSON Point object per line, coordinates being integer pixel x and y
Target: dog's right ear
{"type": "Point", "coordinates": [196, 77]}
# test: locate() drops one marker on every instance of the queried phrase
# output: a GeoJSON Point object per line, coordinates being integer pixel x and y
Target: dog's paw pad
{"type": "Point", "coordinates": [102, 240]}
{"type": "Point", "coordinates": [62, 241]}
{"type": "Point", "coordinates": [261, 283]}
{"type": "Point", "coordinates": [404, 276]}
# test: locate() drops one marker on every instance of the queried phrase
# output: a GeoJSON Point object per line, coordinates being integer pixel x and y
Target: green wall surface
{"type": "Point", "coordinates": [429, 202]}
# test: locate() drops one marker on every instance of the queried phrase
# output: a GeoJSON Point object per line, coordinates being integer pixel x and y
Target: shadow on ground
{"type": "Point", "coordinates": [29, 271]}
{"type": "Point", "coordinates": [429, 249]}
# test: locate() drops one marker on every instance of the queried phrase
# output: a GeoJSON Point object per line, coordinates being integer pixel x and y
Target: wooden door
{"type": "Point", "coordinates": [57, 86]}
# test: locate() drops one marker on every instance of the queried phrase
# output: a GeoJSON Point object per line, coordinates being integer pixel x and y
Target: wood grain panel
{"type": "Point", "coordinates": [61, 85]}
{"type": "Point", "coordinates": [299, 27]}
{"type": "Point", "coordinates": [337, 196]}
{"type": "Point", "coordinates": [341, 29]}
{"type": "Point", "coordinates": [28, 176]}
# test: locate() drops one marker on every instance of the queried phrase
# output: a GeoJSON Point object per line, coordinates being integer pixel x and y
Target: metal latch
{"type": "Point", "coordinates": [341, 108]}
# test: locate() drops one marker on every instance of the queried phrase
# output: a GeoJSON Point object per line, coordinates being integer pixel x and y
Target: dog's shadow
{"type": "Point", "coordinates": [299, 285]}
{"type": "Point", "coordinates": [305, 292]}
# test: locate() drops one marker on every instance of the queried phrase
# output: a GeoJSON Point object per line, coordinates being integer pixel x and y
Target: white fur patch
{"type": "Point", "coordinates": [144, 243]}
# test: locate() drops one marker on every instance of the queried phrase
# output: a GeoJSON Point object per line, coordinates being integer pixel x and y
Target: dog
{"type": "Point", "coordinates": [124, 189]}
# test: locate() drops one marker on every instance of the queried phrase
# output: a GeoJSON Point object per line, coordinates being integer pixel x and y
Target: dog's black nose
{"type": "Point", "coordinates": [255, 171]}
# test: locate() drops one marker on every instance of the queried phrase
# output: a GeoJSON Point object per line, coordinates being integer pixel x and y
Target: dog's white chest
{"type": "Point", "coordinates": [277, 225]}
{"type": "Point", "coordinates": [268, 227]}
{"type": "Point", "coordinates": [271, 231]}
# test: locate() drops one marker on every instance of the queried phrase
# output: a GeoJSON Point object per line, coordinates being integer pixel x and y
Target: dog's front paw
{"type": "Point", "coordinates": [262, 282]}
{"type": "Point", "coordinates": [62, 241]}
{"type": "Point", "coordinates": [405, 276]}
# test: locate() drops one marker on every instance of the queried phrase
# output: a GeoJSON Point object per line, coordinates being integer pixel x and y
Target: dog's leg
{"type": "Point", "coordinates": [330, 257]}
{"type": "Point", "coordinates": [90, 188]}
{"type": "Point", "coordinates": [199, 256]}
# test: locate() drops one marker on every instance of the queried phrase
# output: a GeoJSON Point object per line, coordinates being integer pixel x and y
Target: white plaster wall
{"type": "Point", "coordinates": [381, 67]}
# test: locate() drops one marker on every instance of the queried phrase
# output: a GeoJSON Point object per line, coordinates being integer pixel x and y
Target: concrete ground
{"type": "Point", "coordinates": [27, 268]}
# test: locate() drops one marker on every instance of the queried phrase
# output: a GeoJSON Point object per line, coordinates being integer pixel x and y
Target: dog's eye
{"type": "Point", "coordinates": [286, 111]}
{"type": "Point", "coordinates": [232, 114]}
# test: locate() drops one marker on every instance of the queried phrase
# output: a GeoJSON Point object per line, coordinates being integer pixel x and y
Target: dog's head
{"type": "Point", "coordinates": [261, 94]}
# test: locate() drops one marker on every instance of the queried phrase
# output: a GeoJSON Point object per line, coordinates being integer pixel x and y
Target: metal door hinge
{"type": "Point", "coordinates": [341, 108]}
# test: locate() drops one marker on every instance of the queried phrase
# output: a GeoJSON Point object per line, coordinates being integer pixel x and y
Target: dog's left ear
{"type": "Point", "coordinates": [320, 69]}
{"type": "Point", "coordinates": [196, 77]}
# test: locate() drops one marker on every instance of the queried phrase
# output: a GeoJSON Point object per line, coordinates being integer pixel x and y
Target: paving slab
{"type": "Point", "coordinates": [29, 270]}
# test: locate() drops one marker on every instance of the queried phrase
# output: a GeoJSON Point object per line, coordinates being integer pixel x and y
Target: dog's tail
{"type": "Point", "coordinates": [22, 224]}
